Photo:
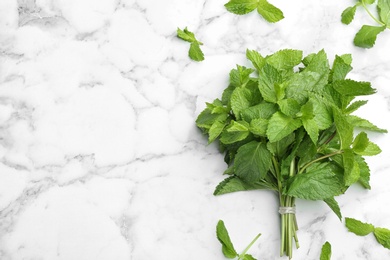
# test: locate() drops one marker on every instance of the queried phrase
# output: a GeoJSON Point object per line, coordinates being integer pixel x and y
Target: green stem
{"type": "Point", "coordinates": [249, 246]}
{"type": "Point", "coordinates": [372, 16]}
{"type": "Point", "coordinates": [319, 159]}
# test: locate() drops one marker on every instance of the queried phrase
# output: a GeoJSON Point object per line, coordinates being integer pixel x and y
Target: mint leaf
{"type": "Point", "coordinates": [344, 128]}
{"type": "Point", "coordinates": [350, 87]}
{"type": "Point", "coordinates": [384, 11]}
{"type": "Point", "coordinates": [358, 227]}
{"type": "Point", "coordinates": [252, 162]}
{"type": "Point", "coordinates": [382, 235]}
{"type": "Point", "coordinates": [285, 59]}
{"type": "Point", "coordinates": [364, 172]}
{"type": "Point", "coordinates": [289, 106]}
{"type": "Point", "coordinates": [248, 257]}
{"type": "Point", "coordinates": [366, 36]}
{"type": "Point", "coordinates": [262, 110]}
{"type": "Point", "coordinates": [340, 68]}
{"type": "Point", "coordinates": [269, 12]}
{"type": "Point", "coordinates": [348, 14]}
{"type": "Point", "coordinates": [240, 101]}
{"type": "Point", "coordinates": [326, 251]}
{"type": "Point", "coordinates": [268, 78]}
{"type": "Point", "coordinates": [195, 53]}
{"type": "Point", "coordinates": [363, 146]}
{"type": "Point", "coordinates": [239, 77]}
{"type": "Point", "coordinates": [258, 126]}
{"type": "Point", "coordinates": [317, 183]}
{"type": "Point", "coordinates": [355, 106]}
{"type": "Point", "coordinates": [234, 184]}
{"type": "Point", "coordinates": [241, 7]}
{"type": "Point", "coordinates": [280, 126]}
{"type": "Point", "coordinates": [257, 60]}
{"type": "Point", "coordinates": [215, 130]}
{"type": "Point", "coordinates": [333, 205]}
{"type": "Point", "coordinates": [364, 124]}
{"type": "Point", "coordinates": [223, 237]}
{"type": "Point", "coordinates": [234, 132]}
{"type": "Point", "coordinates": [351, 167]}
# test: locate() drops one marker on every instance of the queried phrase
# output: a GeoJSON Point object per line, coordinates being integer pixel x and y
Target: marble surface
{"type": "Point", "coordinates": [99, 154]}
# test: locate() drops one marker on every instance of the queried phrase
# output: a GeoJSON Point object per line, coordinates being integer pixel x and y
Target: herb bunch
{"type": "Point", "coordinates": [286, 126]}
{"type": "Point", "coordinates": [367, 35]}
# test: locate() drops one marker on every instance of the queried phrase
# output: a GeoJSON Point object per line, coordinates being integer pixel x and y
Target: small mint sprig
{"type": "Point", "coordinates": [227, 245]}
{"type": "Point", "coordinates": [268, 11]}
{"type": "Point", "coordinates": [366, 36]}
{"type": "Point", "coordinates": [195, 52]}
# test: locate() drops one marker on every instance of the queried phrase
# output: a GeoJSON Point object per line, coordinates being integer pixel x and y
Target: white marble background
{"type": "Point", "coordinates": [99, 154]}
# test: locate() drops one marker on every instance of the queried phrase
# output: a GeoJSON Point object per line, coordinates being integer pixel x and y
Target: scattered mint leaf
{"type": "Point", "coordinates": [348, 14]}
{"type": "Point", "coordinates": [384, 11]}
{"type": "Point", "coordinates": [358, 227]}
{"type": "Point", "coordinates": [195, 53]}
{"type": "Point", "coordinates": [366, 36]}
{"type": "Point", "coordinates": [241, 7]}
{"type": "Point", "coordinates": [326, 251]}
{"type": "Point", "coordinates": [223, 237]}
{"type": "Point", "coordinates": [382, 235]}
{"type": "Point", "coordinates": [269, 12]}
{"type": "Point", "coordinates": [248, 257]}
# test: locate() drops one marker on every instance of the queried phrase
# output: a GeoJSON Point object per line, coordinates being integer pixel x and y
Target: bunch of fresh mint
{"type": "Point", "coordinates": [286, 126]}
{"type": "Point", "coordinates": [367, 35]}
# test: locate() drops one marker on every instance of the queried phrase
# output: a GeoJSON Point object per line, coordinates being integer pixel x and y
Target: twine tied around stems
{"type": "Point", "coordinates": [286, 210]}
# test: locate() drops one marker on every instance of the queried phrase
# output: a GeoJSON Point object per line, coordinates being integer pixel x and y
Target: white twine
{"type": "Point", "coordinates": [286, 210]}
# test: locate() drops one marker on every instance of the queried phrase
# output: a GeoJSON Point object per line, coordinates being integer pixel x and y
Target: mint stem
{"type": "Point", "coordinates": [249, 246]}
{"type": "Point", "coordinates": [372, 16]}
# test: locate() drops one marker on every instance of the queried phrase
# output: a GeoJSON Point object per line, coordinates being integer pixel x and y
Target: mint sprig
{"type": "Point", "coordinates": [326, 251]}
{"type": "Point", "coordinates": [359, 228]}
{"type": "Point", "coordinates": [195, 53]}
{"type": "Point", "coordinates": [227, 245]}
{"type": "Point", "coordinates": [268, 11]}
{"type": "Point", "coordinates": [285, 125]}
{"type": "Point", "coordinates": [367, 34]}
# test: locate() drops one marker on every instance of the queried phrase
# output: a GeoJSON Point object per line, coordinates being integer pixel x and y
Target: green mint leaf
{"type": "Point", "coordinates": [268, 77]}
{"type": "Point", "coordinates": [239, 77]}
{"type": "Point", "coordinates": [195, 52]}
{"type": "Point", "coordinates": [317, 183]}
{"type": "Point", "coordinates": [350, 87]}
{"type": "Point", "coordinates": [323, 115]}
{"type": "Point", "coordinates": [326, 251]}
{"type": "Point", "coordinates": [259, 126]}
{"type": "Point", "coordinates": [370, 2]}
{"type": "Point", "coordinates": [186, 35]}
{"type": "Point", "coordinates": [363, 146]}
{"type": "Point", "coordinates": [248, 257]}
{"type": "Point", "coordinates": [240, 100]}
{"type": "Point", "coordinates": [355, 106]}
{"type": "Point", "coordinates": [285, 59]}
{"type": "Point", "coordinates": [279, 148]}
{"type": "Point", "coordinates": [334, 206]}
{"type": "Point", "coordinates": [289, 106]}
{"type": "Point", "coordinates": [234, 132]}
{"type": "Point", "coordinates": [257, 60]}
{"type": "Point", "coordinates": [358, 227]}
{"type": "Point", "coordinates": [364, 124]}
{"type": "Point", "coordinates": [364, 172]}
{"type": "Point", "coordinates": [252, 161]}
{"type": "Point", "coordinates": [235, 184]}
{"type": "Point", "coordinates": [223, 237]}
{"type": "Point", "coordinates": [348, 15]}
{"type": "Point", "coordinates": [280, 126]}
{"type": "Point", "coordinates": [269, 12]}
{"type": "Point", "coordinates": [206, 118]}
{"type": "Point", "coordinates": [344, 128]}
{"type": "Point", "coordinates": [351, 167]}
{"type": "Point", "coordinates": [215, 130]}
{"type": "Point", "coordinates": [241, 7]}
{"type": "Point", "coordinates": [311, 128]}
{"type": "Point", "coordinates": [384, 11]}
{"type": "Point", "coordinates": [382, 235]}
{"type": "Point", "coordinates": [262, 110]}
{"type": "Point", "coordinates": [366, 36]}
{"type": "Point", "coordinates": [340, 68]}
